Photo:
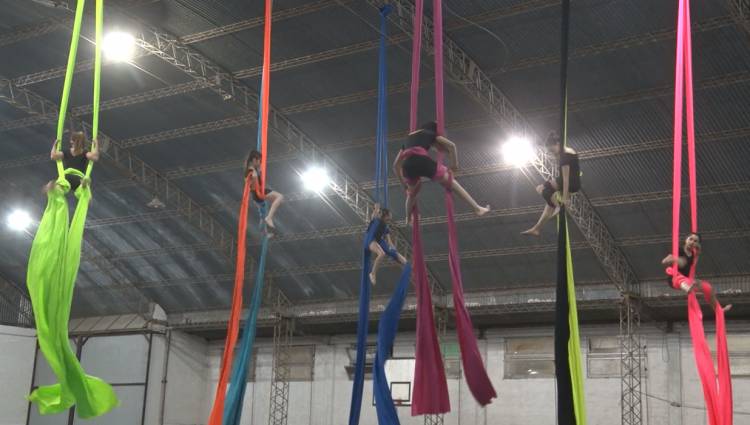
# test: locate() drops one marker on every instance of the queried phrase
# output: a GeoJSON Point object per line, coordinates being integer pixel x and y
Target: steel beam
{"type": "Point", "coordinates": [441, 257]}
{"type": "Point", "coordinates": [507, 301]}
{"type": "Point", "coordinates": [199, 67]}
{"type": "Point", "coordinates": [740, 12]}
{"type": "Point", "coordinates": [284, 64]}
{"type": "Point", "coordinates": [257, 21]}
{"type": "Point", "coordinates": [15, 306]}
{"type": "Point", "coordinates": [628, 42]}
{"type": "Point", "coordinates": [136, 169]}
{"type": "Point", "coordinates": [460, 66]}
{"type": "Point", "coordinates": [356, 230]}
{"type": "Point", "coordinates": [725, 80]}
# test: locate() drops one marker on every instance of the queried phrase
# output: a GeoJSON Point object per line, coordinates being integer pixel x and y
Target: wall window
{"type": "Point", "coordinates": [529, 358]}
{"type": "Point", "coordinates": [301, 362]}
{"type": "Point", "coordinates": [451, 360]}
{"type": "Point", "coordinates": [351, 351]}
{"type": "Point", "coordinates": [603, 359]}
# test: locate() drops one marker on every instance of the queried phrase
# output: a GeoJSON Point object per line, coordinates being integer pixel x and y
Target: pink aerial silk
{"type": "Point", "coordinates": [430, 386]}
{"type": "Point", "coordinates": [717, 391]}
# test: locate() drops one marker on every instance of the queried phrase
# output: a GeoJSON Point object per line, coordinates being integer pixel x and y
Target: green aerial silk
{"type": "Point", "coordinates": [53, 267]}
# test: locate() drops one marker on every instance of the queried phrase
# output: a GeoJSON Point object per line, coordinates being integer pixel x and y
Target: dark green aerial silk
{"type": "Point", "coordinates": [53, 267]}
{"type": "Point", "coordinates": [571, 408]}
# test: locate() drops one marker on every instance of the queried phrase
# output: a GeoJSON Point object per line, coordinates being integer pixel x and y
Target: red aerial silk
{"type": "Point", "coordinates": [260, 189]}
{"type": "Point", "coordinates": [217, 411]}
{"type": "Point", "coordinates": [717, 391]}
{"type": "Point", "coordinates": [430, 386]}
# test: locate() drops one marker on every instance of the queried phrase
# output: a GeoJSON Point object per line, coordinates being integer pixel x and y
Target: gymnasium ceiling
{"type": "Point", "coordinates": [325, 83]}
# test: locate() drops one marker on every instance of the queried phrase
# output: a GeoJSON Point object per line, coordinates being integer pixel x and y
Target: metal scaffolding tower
{"type": "Point", "coordinates": [283, 330]}
{"type": "Point", "coordinates": [630, 360]}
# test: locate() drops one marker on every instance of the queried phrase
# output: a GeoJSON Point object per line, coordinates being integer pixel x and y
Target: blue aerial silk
{"type": "Point", "coordinates": [387, 329]}
{"type": "Point", "coordinates": [388, 325]}
{"type": "Point", "coordinates": [238, 381]}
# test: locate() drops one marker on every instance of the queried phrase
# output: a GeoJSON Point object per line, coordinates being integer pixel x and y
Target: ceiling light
{"type": "Point", "coordinates": [316, 179]}
{"type": "Point", "coordinates": [518, 151]}
{"type": "Point", "coordinates": [156, 203]}
{"type": "Point", "coordinates": [119, 46]}
{"type": "Point", "coordinates": [19, 220]}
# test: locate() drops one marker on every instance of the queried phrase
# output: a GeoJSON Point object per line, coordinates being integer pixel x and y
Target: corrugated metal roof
{"type": "Point", "coordinates": [620, 121]}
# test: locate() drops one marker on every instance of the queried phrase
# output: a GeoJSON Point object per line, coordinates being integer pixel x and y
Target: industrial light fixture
{"type": "Point", "coordinates": [156, 203]}
{"type": "Point", "coordinates": [119, 46]}
{"type": "Point", "coordinates": [518, 151]}
{"type": "Point", "coordinates": [18, 220]}
{"type": "Point", "coordinates": [316, 179]}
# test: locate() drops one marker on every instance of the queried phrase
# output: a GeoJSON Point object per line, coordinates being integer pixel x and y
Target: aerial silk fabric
{"type": "Point", "coordinates": [227, 406]}
{"type": "Point", "coordinates": [53, 268]}
{"type": "Point", "coordinates": [430, 386]}
{"type": "Point", "coordinates": [387, 329]}
{"type": "Point", "coordinates": [571, 408]}
{"type": "Point", "coordinates": [568, 370]}
{"type": "Point", "coordinates": [233, 326]}
{"type": "Point", "coordinates": [717, 387]}
{"type": "Point", "coordinates": [381, 133]}
{"type": "Point", "coordinates": [238, 382]}
{"type": "Point", "coordinates": [388, 325]}
{"type": "Point", "coordinates": [362, 324]}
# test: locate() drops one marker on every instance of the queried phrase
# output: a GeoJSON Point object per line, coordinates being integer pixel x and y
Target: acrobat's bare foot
{"type": "Point", "coordinates": [531, 232]}
{"type": "Point", "coordinates": [482, 211]}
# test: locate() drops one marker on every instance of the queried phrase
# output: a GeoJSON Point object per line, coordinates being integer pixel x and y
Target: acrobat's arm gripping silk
{"type": "Point", "coordinates": [717, 387]}
{"type": "Point", "coordinates": [53, 268]}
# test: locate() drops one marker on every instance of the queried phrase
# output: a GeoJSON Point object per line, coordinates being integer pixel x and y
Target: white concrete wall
{"type": "Point", "coordinates": [17, 347]}
{"type": "Point", "coordinates": [193, 366]}
{"type": "Point", "coordinates": [670, 374]}
{"type": "Point", "coordinates": [187, 398]}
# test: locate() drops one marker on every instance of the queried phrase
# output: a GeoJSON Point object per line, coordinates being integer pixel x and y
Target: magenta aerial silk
{"type": "Point", "coordinates": [717, 387]}
{"type": "Point", "coordinates": [430, 386]}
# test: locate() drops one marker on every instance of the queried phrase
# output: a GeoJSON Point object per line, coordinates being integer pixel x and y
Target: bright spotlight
{"type": "Point", "coordinates": [119, 46]}
{"type": "Point", "coordinates": [517, 151]}
{"type": "Point", "coordinates": [19, 220]}
{"type": "Point", "coordinates": [316, 179]}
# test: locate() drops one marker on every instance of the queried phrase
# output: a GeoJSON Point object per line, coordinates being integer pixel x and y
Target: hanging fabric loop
{"type": "Point", "coordinates": [53, 266]}
{"type": "Point", "coordinates": [227, 406]}
{"type": "Point", "coordinates": [717, 386]}
{"type": "Point", "coordinates": [430, 386]}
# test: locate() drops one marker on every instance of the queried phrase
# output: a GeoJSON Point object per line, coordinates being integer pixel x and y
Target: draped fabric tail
{"type": "Point", "coordinates": [703, 360]}
{"type": "Point", "coordinates": [387, 329]}
{"type": "Point", "coordinates": [238, 383]}
{"type": "Point", "coordinates": [430, 395]}
{"type": "Point", "coordinates": [233, 326]}
{"type": "Point", "coordinates": [568, 369]}
{"type": "Point", "coordinates": [53, 268]}
{"type": "Point", "coordinates": [717, 387]}
{"type": "Point", "coordinates": [476, 375]}
{"type": "Point", "coordinates": [362, 327]}
{"type": "Point", "coordinates": [725, 376]}
{"type": "Point", "coordinates": [568, 363]}
{"type": "Point", "coordinates": [565, 411]}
